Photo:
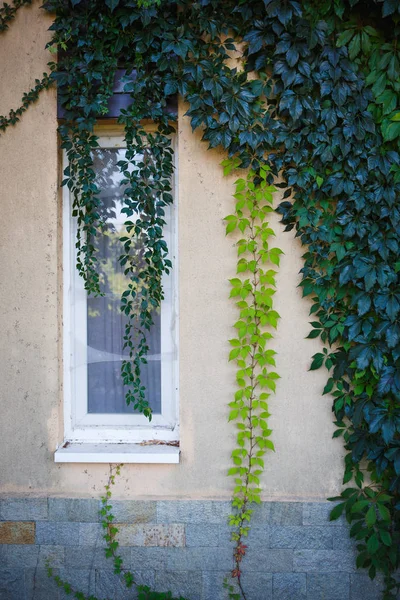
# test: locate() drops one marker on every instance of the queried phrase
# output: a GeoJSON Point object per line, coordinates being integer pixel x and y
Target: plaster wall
{"type": "Point", "coordinates": [307, 463]}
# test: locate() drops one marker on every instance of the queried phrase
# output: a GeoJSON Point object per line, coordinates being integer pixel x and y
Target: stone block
{"type": "Point", "coordinates": [112, 587]}
{"type": "Point", "coordinates": [12, 584]}
{"type": "Point", "coordinates": [317, 513]}
{"type": "Point", "coordinates": [192, 511]}
{"type": "Point", "coordinates": [301, 537]}
{"type": "Point", "coordinates": [257, 585]}
{"type": "Point", "coordinates": [52, 555]}
{"type": "Point", "coordinates": [61, 534]}
{"type": "Point", "coordinates": [363, 588]}
{"type": "Point", "coordinates": [203, 535]}
{"type": "Point", "coordinates": [259, 535]}
{"type": "Point", "coordinates": [134, 511]}
{"type": "Point", "coordinates": [188, 584]}
{"type": "Point", "coordinates": [193, 559]}
{"type": "Point", "coordinates": [17, 556]}
{"type": "Point", "coordinates": [286, 513]}
{"type": "Point", "coordinates": [92, 534]}
{"type": "Point", "coordinates": [269, 560]}
{"type": "Point", "coordinates": [213, 585]}
{"type": "Point", "coordinates": [328, 586]}
{"type": "Point", "coordinates": [17, 532]}
{"type": "Point", "coordinates": [289, 585]}
{"type": "Point", "coordinates": [261, 513]}
{"type": "Point", "coordinates": [39, 586]}
{"type": "Point", "coordinates": [324, 561]}
{"type": "Point", "coordinates": [23, 509]}
{"type": "Point", "coordinates": [342, 539]}
{"type": "Point", "coordinates": [80, 580]}
{"type": "Point", "coordinates": [278, 513]}
{"type": "Point", "coordinates": [74, 509]}
{"type": "Point", "coordinates": [153, 558]}
{"type": "Point", "coordinates": [84, 557]}
{"type": "Point", "coordinates": [224, 535]}
{"type": "Point", "coordinates": [171, 535]}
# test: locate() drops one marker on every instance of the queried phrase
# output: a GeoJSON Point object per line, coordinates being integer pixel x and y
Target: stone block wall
{"type": "Point", "coordinates": [294, 552]}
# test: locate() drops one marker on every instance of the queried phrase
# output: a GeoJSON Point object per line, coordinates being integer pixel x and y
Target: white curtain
{"type": "Point", "coordinates": [105, 322]}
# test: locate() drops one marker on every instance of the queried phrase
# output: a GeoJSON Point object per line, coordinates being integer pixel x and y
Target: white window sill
{"type": "Point", "coordinates": [117, 453]}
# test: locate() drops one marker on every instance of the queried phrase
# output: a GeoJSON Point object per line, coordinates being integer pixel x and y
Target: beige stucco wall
{"type": "Point", "coordinates": [307, 462]}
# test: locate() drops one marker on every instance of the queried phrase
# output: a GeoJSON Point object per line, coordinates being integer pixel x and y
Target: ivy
{"type": "Point", "coordinates": [28, 98]}
{"type": "Point", "coordinates": [313, 110]}
{"type": "Point", "coordinates": [8, 12]}
{"type": "Point", "coordinates": [336, 123]}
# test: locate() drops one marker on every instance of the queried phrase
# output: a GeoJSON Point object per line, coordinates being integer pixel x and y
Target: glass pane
{"type": "Point", "coordinates": [105, 322]}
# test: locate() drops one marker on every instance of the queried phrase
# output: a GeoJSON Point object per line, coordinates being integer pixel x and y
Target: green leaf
{"type": "Point", "coordinates": [338, 433]}
{"type": "Point", "coordinates": [379, 85]}
{"type": "Point", "coordinates": [314, 334]}
{"type": "Point", "coordinates": [360, 505]}
{"type": "Point", "coordinates": [318, 360]}
{"type": "Point", "coordinates": [373, 544]}
{"type": "Point", "coordinates": [344, 37]}
{"type": "Point", "coordinates": [230, 227]}
{"type": "Point", "coordinates": [337, 511]}
{"type": "Point", "coordinates": [385, 537]}
{"type": "Point", "coordinates": [234, 353]}
{"type": "Point", "coordinates": [233, 414]}
{"type": "Point", "coordinates": [391, 132]}
{"type": "Point", "coordinates": [370, 517]}
{"type": "Point", "coordinates": [112, 4]}
{"type": "Point", "coordinates": [384, 512]}
{"type": "Point", "coordinates": [355, 46]}
{"type": "Point", "coordinates": [329, 386]}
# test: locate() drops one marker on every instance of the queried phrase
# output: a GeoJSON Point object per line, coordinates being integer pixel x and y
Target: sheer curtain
{"type": "Point", "coordinates": [105, 321]}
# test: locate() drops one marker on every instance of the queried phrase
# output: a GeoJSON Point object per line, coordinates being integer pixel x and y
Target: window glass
{"type": "Point", "coordinates": [105, 321]}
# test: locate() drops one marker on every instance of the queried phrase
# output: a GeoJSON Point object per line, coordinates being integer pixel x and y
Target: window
{"type": "Point", "coordinates": [95, 410]}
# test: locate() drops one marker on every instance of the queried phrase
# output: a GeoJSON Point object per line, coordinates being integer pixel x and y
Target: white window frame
{"type": "Point", "coordinates": [79, 425]}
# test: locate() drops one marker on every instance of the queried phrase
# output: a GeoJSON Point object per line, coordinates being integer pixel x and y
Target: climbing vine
{"type": "Point", "coordinates": [8, 12]}
{"type": "Point", "coordinates": [255, 379]}
{"type": "Point", "coordinates": [28, 98]}
{"type": "Point", "coordinates": [313, 109]}
{"type": "Point", "coordinates": [111, 551]}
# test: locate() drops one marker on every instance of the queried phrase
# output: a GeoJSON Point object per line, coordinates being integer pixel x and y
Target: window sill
{"type": "Point", "coordinates": [117, 453]}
